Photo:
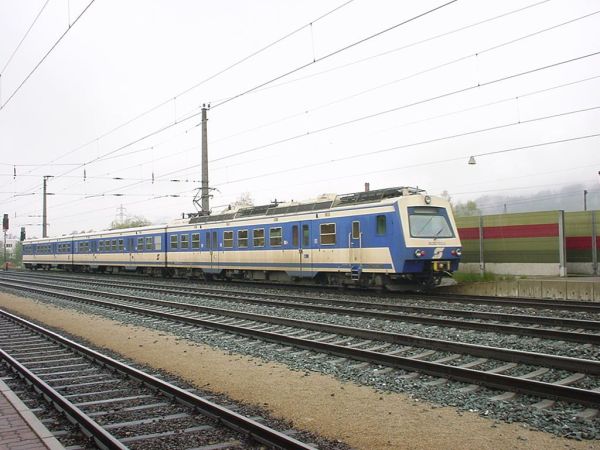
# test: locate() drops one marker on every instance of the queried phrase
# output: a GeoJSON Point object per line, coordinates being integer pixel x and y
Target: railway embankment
{"type": "Point", "coordinates": [554, 288]}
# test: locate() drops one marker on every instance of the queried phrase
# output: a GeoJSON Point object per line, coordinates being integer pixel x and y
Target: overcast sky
{"type": "Point", "coordinates": [406, 107]}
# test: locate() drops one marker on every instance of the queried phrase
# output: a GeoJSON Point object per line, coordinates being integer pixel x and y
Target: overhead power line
{"type": "Point", "coordinates": [12, 55]}
{"type": "Point", "coordinates": [412, 44]}
{"type": "Point", "coordinates": [333, 53]}
{"type": "Point", "coordinates": [45, 56]}
{"type": "Point", "coordinates": [192, 115]}
{"type": "Point", "coordinates": [421, 72]}
{"type": "Point", "coordinates": [429, 141]}
{"type": "Point", "coordinates": [406, 46]}
{"type": "Point", "coordinates": [518, 122]}
{"type": "Point", "coordinates": [408, 105]}
{"type": "Point", "coordinates": [205, 80]}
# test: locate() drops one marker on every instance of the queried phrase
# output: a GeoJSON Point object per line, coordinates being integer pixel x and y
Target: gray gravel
{"type": "Point", "coordinates": [560, 420]}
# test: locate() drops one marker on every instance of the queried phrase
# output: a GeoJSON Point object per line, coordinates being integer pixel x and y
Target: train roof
{"type": "Point", "coordinates": [324, 202]}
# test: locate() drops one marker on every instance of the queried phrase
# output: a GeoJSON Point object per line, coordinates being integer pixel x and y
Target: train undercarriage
{"type": "Point", "coordinates": [344, 279]}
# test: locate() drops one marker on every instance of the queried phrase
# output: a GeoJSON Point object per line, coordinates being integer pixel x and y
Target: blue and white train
{"type": "Point", "coordinates": [381, 238]}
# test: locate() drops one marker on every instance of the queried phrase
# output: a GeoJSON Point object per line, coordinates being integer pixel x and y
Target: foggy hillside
{"type": "Point", "coordinates": [568, 198]}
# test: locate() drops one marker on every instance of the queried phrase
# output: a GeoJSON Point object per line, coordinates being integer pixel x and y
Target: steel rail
{"type": "Point", "coordinates": [567, 305]}
{"type": "Point", "coordinates": [492, 380]}
{"type": "Point", "coordinates": [308, 302]}
{"type": "Point", "coordinates": [546, 333]}
{"type": "Point", "coordinates": [557, 362]}
{"type": "Point", "coordinates": [231, 419]}
{"type": "Point", "coordinates": [536, 303]}
{"type": "Point", "coordinates": [304, 299]}
{"type": "Point", "coordinates": [87, 425]}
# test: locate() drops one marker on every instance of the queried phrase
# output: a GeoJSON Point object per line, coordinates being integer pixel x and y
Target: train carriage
{"type": "Point", "coordinates": [389, 237]}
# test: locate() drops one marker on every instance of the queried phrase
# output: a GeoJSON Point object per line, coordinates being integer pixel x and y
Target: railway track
{"type": "Point", "coordinates": [546, 376]}
{"type": "Point", "coordinates": [582, 331]}
{"type": "Point", "coordinates": [349, 295]}
{"type": "Point", "coordinates": [117, 406]}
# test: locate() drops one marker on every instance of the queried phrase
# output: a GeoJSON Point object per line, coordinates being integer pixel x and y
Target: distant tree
{"type": "Point", "coordinates": [130, 222]}
{"type": "Point", "coordinates": [446, 196]}
{"type": "Point", "coordinates": [243, 201]}
{"type": "Point", "coordinates": [466, 209]}
{"type": "Point", "coordinates": [18, 254]}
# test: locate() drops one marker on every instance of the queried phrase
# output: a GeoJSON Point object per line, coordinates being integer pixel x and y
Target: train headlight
{"type": "Point", "coordinates": [427, 199]}
{"type": "Point", "coordinates": [456, 252]}
{"type": "Point", "coordinates": [419, 253]}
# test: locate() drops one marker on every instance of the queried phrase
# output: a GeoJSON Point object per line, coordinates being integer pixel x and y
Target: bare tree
{"type": "Point", "coordinates": [130, 222]}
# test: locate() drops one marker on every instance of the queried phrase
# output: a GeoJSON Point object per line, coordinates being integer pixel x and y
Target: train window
{"type": "Point", "coordinates": [208, 243]}
{"type": "Point", "coordinates": [157, 243]}
{"type": "Point", "coordinates": [429, 222]}
{"type": "Point", "coordinates": [305, 236]}
{"type": "Point", "coordinates": [295, 236]}
{"type": "Point", "coordinates": [228, 239]}
{"type": "Point", "coordinates": [114, 245]}
{"type": "Point", "coordinates": [195, 241]}
{"type": "Point", "coordinates": [100, 246]}
{"type": "Point", "coordinates": [242, 238]}
{"type": "Point", "coordinates": [121, 245]}
{"type": "Point", "coordinates": [327, 233]}
{"type": "Point", "coordinates": [184, 241]}
{"type": "Point", "coordinates": [381, 225]}
{"type": "Point", "coordinates": [275, 237]}
{"type": "Point", "coordinates": [215, 240]}
{"type": "Point", "coordinates": [149, 243]}
{"type": "Point", "coordinates": [174, 242]}
{"type": "Point", "coordinates": [356, 229]}
{"type": "Point", "coordinates": [258, 236]}
{"type": "Point", "coordinates": [140, 244]}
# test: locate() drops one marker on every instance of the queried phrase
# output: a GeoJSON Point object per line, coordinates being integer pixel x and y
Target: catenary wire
{"type": "Point", "coordinates": [432, 38]}
{"type": "Point", "coordinates": [205, 80]}
{"type": "Point", "coordinates": [177, 122]}
{"type": "Point", "coordinates": [480, 52]}
{"type": "Point", "coordinates": [14, 52]}
{"type": "Point", "coordinates": [45, 56]}
{"type": "Point", "coordinates": [333, 53]}
{"type": "Point", "coordinates": [408, 105]}
{"type": "Point", "coordinates": [438, 139]}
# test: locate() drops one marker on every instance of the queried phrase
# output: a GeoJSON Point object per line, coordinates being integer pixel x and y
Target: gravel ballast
{"type": "Point", "coordinates": [362, 416]}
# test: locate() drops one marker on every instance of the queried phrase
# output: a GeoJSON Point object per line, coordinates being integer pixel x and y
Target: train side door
{"type": "Point", "coordinates": [130, 249]}
{"type": "Point", "coordinates": [355, 244]}
{"type": "Point", "coordinates": [303, 245]}
{"type": "Point", "coordinates": [215, 241]}
{"type": "Point", "coordinates": [207, 236]}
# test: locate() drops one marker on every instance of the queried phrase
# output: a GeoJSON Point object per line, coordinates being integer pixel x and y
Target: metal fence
{"type": "Point", "coordinates": [536, 243]}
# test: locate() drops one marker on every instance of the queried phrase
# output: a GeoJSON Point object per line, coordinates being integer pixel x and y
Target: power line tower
{"type": "Point", "coordinates": [121, 213]}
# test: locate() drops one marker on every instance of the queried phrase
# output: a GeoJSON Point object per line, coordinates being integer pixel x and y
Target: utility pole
{"type": "Point", "coordinates": [44, 211]}
{"type": "Point", "coordinates": [205, 195]}
{"type": "Point", "coordinates": [5, 229]}
{"type": "Point", "coordinates": [585, 193]}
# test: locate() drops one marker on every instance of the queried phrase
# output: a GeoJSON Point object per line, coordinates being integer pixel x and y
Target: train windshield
{"type": "Point", "coordinates": [429, 222]}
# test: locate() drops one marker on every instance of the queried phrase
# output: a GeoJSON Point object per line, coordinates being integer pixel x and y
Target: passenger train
{"type": "Point", "coordinates": [388, 238]}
